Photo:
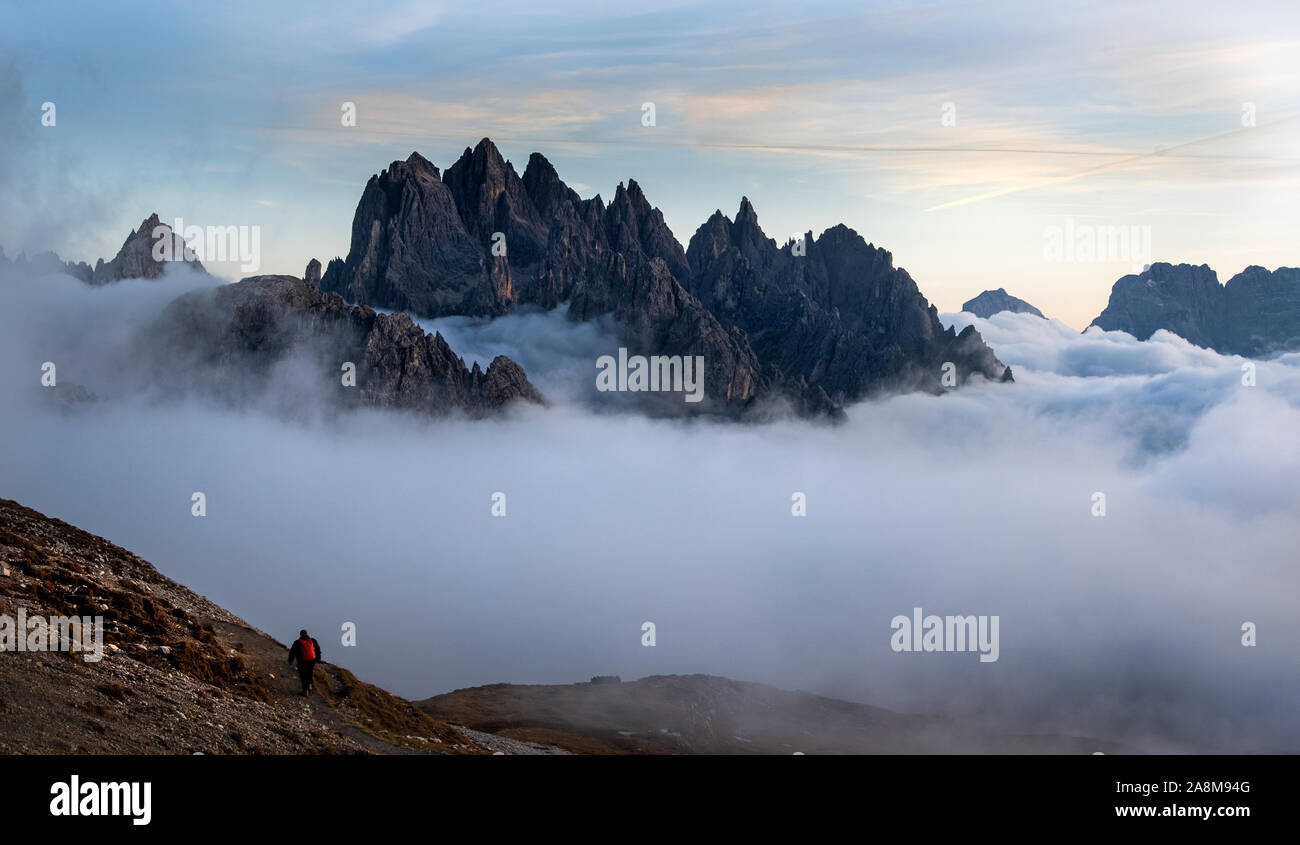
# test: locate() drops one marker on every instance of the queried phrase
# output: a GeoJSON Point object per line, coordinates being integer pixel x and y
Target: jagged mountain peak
{"type": "Point", "coordinates": [413, 167]}
{"type": "Point", "coordinates": [487, 149]}
{"type": "Point", "coordinates": [541, 165]}
{"type": "Point", "coordinates": [545, 188]}
{"type": "Point", "coordinates": [717, 227]}
{"type": "Point", "coordinates": [540, 174]}
{"type": "Point", "coordinates": [480, 175]}
{"type": "Point", "coordinates": [635, 194]}
{"type": "Point", "coordinates": [746, 226]}
{"type": "Point", "coordinates": [493, 202]}
{"type": "Point", "coordinates": [484, 161]}
{"type": "Point", "coordinates": [135, 259]}
{"type": "Point", "coordinates": [410, 249]}
{"type": "Point", "coordinates": [419, 164]}
{"type": "Point", "coordinates": [843, 235]}
{"type": "Point", "coordinates": [826, 324]}
{"type": "Point", "coordinates": [746, 212]}
{"type": "Point", "coordinates": [631, 194]}
{"type": "Point", "coordinates": [638, 230]}
{"type": "Point", "coordinates": [147, 225]}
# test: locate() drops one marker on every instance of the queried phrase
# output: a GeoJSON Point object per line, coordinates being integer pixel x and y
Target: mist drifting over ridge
{"type": "Point", "coordinates": [978, 502]}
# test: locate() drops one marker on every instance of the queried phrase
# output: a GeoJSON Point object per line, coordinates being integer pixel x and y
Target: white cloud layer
{"type": "Point", "coordinates": [1124, 627]}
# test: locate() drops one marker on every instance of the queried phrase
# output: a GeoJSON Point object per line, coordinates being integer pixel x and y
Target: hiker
{"type": "Point", "coordinates": [306, 651]}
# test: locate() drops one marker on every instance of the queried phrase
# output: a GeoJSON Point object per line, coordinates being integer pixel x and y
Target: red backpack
{"type": "Point", "coordinates": [307, 649]}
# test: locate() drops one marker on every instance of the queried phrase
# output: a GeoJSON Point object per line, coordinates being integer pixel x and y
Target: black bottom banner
{"type": "Point", "coordinates": [142, 796]}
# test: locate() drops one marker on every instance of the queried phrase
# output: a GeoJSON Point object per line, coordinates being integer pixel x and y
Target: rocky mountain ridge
{"type": "Point", "coordinates": [821, 326]}
{"type": "Point", "coordinates": [239, 340]}
{"type": "Point", "coordinates": [1256, 313]}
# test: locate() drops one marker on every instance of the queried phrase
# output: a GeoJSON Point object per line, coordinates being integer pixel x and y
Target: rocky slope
{"type": "Point", "coordinates": [821, 329]}
{"type": "Point", "coordinates": [283, 339]}
{"type": "Point", "coordinates": [1256, 313]}
{"type": "Point", "coordinates": [179, 674]}
{"type": "Point", "coordinates": [992, 302]}
{"type": "Point", "coordinates": [704, 714]}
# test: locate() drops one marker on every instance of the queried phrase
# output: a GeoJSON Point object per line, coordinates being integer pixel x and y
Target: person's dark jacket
{"type": "Point", "coordinates": [295, 651]}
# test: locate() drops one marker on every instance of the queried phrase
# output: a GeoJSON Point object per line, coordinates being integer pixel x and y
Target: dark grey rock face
{"type": "Point", "coordinates": [496, 210]}
{"type": "Point", "coordinates": [992, 302]}
{"type": "Point", "coordinates": [1263, 311]}
{"type": "Point", "coordinates": [1256, 313]}
{"type": "Point", "coordinates": [411, 251]}
{"type": "Point", "coordinates": [839, 320]}
{"type": "Point", "coordinates": [281, 335]}
{"type": "Point", "coordinates": [1183, 299]}
{"type": "Point", "coordinates": [823, 328]}
{"type": "Point", "coordinates": [655, 313]}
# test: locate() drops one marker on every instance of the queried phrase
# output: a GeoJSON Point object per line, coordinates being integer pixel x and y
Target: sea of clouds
{"type": "Point", "coordinates": [1125, 627]}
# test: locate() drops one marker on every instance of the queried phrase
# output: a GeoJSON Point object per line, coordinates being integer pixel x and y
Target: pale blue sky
{"type": "Point", "coordinates": [821, 113]}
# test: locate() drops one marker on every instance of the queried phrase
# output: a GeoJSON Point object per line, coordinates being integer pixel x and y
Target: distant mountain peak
{"type": "Point", "coordinates": [134, 260]}
{"type": "Point", "coordinates": [992, 302]}
{"type": "Point", "coordinates": [1257, 312]}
